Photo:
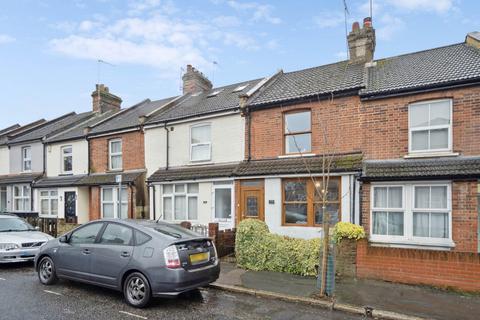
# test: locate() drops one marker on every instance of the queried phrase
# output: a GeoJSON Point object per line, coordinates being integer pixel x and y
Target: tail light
{"type": "Point", "coordinates": [172, 259]}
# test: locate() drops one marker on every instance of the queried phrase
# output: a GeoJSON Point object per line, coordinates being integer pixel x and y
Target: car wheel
{"type": "Point", "coordinates": [136, 290]}
{"type": "Point", "coordinates": [46, 271]}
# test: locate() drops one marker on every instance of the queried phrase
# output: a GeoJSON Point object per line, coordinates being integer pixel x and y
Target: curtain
{"type": "Point", "coordinates": [420, 224]}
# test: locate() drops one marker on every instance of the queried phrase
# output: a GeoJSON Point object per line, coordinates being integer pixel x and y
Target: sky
{"type": "Point", "coordinates": [49, 49]}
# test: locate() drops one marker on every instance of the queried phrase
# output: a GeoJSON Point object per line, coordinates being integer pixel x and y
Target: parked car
{"type": "Point", "coordinates": [143, 259]}
{"type": "Point", "coordinates": [19, 241]}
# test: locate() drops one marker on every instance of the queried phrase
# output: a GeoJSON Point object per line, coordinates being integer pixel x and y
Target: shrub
{"type": "Point", "coordinates": [258, 249]}
{"type": "Point", "coordinates": [346, 230]}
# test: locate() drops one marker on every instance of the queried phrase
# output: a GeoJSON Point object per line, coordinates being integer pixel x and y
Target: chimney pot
{"type": "Point", "coordinates": [367, 22]}
{"type": "Point", "coordinates": [361, 42]}
{"type": "Point", "coordinates": [355, 26]}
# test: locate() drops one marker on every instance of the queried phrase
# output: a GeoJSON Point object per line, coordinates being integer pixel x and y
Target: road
{"type": "Point", "coordinates": [23, 297]}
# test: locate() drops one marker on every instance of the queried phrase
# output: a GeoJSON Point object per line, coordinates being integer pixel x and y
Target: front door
{"type": "Point", "coordinates": [70, 207]}
{"type": "Point", "coordinates": [251, 200]}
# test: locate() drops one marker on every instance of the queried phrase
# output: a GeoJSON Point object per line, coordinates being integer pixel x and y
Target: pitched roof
{"type": "Point", "coordinates": [9, 129]}
{"type": "Point", "coordinates": [78, 131]}
{"type": "Point", "coordinates": [19, 178]}
{"type": "Point", "coordinates": [193, 173]}
{"type": "Point", "coordinates": [439, 66]}
{"type": "Point", "coordinates": [109, 178]}
{"type": "Point", "coordinates": [340, 163]}
{"type": "Point", "coordinates": [61, 181]}
{"type": "Point", "coordinates": [191, 105]}
{"type": "Point", "coordinates": [410, 169]}
{"type": "Point", "coordinates": [7, 135]}
{"type": "Point", "coordinates": [51, 127]}
{"type": "Point", "coordinates": [129, 118]}
{"type": "Point", "coordinates": [308, 83]}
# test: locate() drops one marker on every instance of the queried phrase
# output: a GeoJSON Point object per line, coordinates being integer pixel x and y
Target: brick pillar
{"type": "Point", "coordinates": [213, 230]}
{"type": "Point", "coordinates": [94, 213]}
{"type": "Point", "coordinates": [186, 225]}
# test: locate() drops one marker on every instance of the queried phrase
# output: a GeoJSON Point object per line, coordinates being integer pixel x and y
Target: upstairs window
{"type": "Point", "coordinates": [115, 154]}
{"type": "Point", "coordinates": [200, 143]}
{"type": "Point", "coordinates": [298, 132]}
{"type": "Point", "coordinates": [26, 159]}
{"type": "Point", "coordinates": [430, 126]}
{"type": "Point", "coordinates": [67, 159]}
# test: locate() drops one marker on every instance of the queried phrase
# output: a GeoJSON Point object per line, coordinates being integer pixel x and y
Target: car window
{"type": "Point", "coordinates": [86, 234]}
{"type": "Point", "coordinates": [141, 238]}
{"type": "Point", "coordinates": [14, 224]}
{"type": "Point", "coordinates": [117, 234]}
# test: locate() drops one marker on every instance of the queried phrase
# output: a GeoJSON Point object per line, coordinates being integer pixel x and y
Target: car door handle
{"type": "Point", "coordinates": [86, 251]}
{"type": "Point", "coordinates": [125, 254]}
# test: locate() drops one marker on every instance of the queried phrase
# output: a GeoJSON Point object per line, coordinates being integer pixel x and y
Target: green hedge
{"type": "Point", "coordinates": [258, 249]}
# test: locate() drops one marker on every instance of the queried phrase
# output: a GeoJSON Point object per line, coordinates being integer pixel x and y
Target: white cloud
{"type": "Point", "coordinates": [439, 6]}
{"type": "Point", "coordinates": [5, 38]}
{"type": "Point", "coordinates": [260, 12]}
{"type": "Point", "coordinates": [389, 25]}
{"type": "Point", "coordinates": [88, 25]}
{"type": "Point", "coordinates": [329, 19]}
{"type": "Point", "coordinates": [227, 21]}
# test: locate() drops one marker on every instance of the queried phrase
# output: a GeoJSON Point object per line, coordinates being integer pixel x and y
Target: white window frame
{"type": "Point", "coordinates": [388, 238]}
{"type": "Point", "coordinates": [63, 156]}
{"type": "Point", "coordinates": [408, 204]}
{"type": "Point", "coordinates": [48, 198]}
{"type": "Point", "coordinates": [175, 194]}
{"type": "Point", "coordinates": [115, 154]}
{"type": "Point", "coordinates": [116, 214]}
{"type": "Point", "coordinates": [226, 185]}
{"type": "Point", "coordinates": [22, 196]}
{"type": "Point", "coordinates": [443, 126]}
{"type": "Point", "coordinates": [3, 191]}
{"type": "Point", "coordinates": [209, 144]}
{"type": "Point", "coordinates": [26, 159]}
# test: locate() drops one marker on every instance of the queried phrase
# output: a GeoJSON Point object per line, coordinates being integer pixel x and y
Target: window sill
{"type": "Point", "coordinates": [431, 154]}
{"type": "Point", "coordinates": [66, 174]}
{"type": "Point", "coordinates": [114, 170]}
{"type": "Point", "coordinates": [424, 245]}
{"type": "Point", "coordinates": [297, 155]}
{"type": "Point", "coordinates": [199, 162]}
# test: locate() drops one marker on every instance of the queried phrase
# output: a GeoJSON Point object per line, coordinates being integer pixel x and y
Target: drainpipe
{"type": "Point", "coordinates": [167, 147]}
{"type": "Point", "coordinates": [154, 201]}
{"type": "Point", "coordinates": [246, 113]}
{"type": "Point", "coordinates": [360, 187]}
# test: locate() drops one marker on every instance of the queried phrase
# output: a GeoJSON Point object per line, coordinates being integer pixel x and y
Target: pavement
{"type": "Point", "coordinates": [407, 300]}
{"type": "Point", "coordinates": [23, 297]}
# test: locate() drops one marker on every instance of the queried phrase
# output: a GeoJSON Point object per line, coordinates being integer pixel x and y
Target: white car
{"type": "Point", "coordinates": [19, 241]}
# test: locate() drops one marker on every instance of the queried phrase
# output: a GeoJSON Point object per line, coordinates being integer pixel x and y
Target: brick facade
{"type": "Point", "coordinates": [95, 211]}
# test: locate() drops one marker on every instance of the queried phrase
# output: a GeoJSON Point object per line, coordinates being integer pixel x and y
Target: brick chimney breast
{"type": "Point", "coordinates": [103, 100]}
{"type": "Point", "coordinates": [361, 42]}
{"type": "Point", "coordinates": [194, 81]}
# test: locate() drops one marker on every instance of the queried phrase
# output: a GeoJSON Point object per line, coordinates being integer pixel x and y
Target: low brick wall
{"type": "Point", "coordinates": [457, 270]}
{"type": "Point", "coordinates": [346, 259]}
{"type": "Point", "coordinates": [224, 239]}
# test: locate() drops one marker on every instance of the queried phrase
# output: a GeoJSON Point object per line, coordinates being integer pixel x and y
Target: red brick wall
{"type": "Point", "coordinates": [459, 270]}
{"type": "Point", "coordinates": [133, 152]}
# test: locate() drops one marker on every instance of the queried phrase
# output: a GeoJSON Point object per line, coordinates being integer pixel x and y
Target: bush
{"type": "Point", "coordinates": [258, 249]}
{"type": "Point", "coordinates": [346, 230]}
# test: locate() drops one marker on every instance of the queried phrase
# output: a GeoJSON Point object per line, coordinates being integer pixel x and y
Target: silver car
{"type": "Point", "coordinates": [19, 241]}
{"type": "Point", "coordinates": [143, 259]}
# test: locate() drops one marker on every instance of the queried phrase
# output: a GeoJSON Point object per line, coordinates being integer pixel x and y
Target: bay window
{"type": "Point", "coordinates": [430, 126]}
{"type": "Point", "coordinates": [115, 159]}
{"type": "Point", "coordinates": [200, 143]}
{"type": "Point", "coordinates": [413, 213]}
{"type": "Point", "coordinates": [302, 202]}
{"type": "Point", "coordinates": [297, 132]}
{"type": "Point", "coordinates": [67, 160]}
{"type": "Point", "coordinates": [21, 198]}
{"type": "Point", "coordinates": [180, 201]}
{"type": "Point", "coordinates": [48, 202]}
{"type": "Point", "coordinates": [110, 203]}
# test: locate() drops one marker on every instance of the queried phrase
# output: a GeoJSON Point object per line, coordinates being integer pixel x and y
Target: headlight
{"type": "Point", "coordinates": [9, 246]}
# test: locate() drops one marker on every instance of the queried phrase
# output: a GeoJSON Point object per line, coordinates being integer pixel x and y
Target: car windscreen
{"type": "Point", "coordinates": [174, 231]}
{"type": "Point", "coordinates": [14, 224]}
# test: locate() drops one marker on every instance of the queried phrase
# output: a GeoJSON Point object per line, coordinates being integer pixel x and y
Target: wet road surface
{"type": "Point", "coordinates": [23, 297]}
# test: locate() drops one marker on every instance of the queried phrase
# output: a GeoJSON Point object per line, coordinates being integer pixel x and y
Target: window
{"type": "Point", "coordinates": [21, 198]}
{"type": "Point", "coordinates": [200, 143]}
{"type": "Point", "coordinates": [3, 199]}
{"type": "Point", "coordinates": [302, 203]}
{"type": "Point", "coordinates": [141, 238]}
{"type": "Point", "coordinates": [26, 159]}
{"type": "Point", "coordinates": [115, 154]}
{"type": "Point", "coordinates": [223, 202]}
{"type": "Point", "coordinates": [298, 132]}
{"type": "Point", "coordinates": [116, 234]}
{"type": "Point", "coordinates": [240, 88]}
{"type": "Point", "coordinates": [48, 202]}
{"type": "Point", "coordinates": [430, 126]}
{"type": "Point", "coordinates": [180, 201]}
{"type": "Point", "coordinates": [412, 213]}
{"type": "Point", "coordinates": [67, 159]}
{"type": "Point", "coordinates": [214, 93]}
{"type": "Point", "coordinates": [110, 203]}
{"type": "Point", "coordinates": [86, 235]}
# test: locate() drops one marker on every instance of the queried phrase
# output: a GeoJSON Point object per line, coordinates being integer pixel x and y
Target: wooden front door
{"type": "Point", "coordinates": [251, 200]}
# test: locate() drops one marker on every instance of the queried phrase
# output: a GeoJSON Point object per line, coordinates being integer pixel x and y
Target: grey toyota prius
{"type": "Point", "coordinates": [144, 259]}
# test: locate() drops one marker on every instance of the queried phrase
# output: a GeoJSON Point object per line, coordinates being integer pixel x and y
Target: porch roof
{"type": "Point", "coordinates": [19, 178]}
{"type": "Point", "coordinates": [60, 181]}
{"type": "Point", "coordinates": [98, 179]}
{"type": "Point", "coordinates": [193, 172]}
{"type": "Point", "coordinates": [415, 169]}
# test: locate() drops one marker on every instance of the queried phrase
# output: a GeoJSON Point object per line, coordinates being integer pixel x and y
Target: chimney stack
{"type": "Point", "coordinates": [103, 100]}
{"type": "Point", "coordinates": [194, 81]}
{"type": "Point", "coordinates": [473, 39]}
{"type": "Point", "coordinates": [361, 42]}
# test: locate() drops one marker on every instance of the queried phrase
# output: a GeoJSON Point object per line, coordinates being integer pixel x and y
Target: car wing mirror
{"type": "Point", "coordinates": [37, 228]}
{"type": "Point", "coordinates": [63, 239]}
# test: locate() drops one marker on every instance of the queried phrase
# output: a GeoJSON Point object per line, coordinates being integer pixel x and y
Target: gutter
{"type": "Point", "coordinates": [167, 146]}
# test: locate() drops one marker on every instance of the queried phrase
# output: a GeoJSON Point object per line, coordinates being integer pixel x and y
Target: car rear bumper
{"type": "Point", "coordinates": [176, 281]}
{"type": "Point", "coordinates": [18, 255]}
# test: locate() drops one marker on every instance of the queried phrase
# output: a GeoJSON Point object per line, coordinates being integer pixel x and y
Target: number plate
{"type": "Point", "coordinates": [199, 258]}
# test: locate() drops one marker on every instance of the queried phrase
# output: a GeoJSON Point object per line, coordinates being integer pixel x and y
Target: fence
{"type": "Point", "coordinates": [224, 239]}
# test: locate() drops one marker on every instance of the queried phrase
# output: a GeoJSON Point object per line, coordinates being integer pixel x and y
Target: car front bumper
{"type": "Point", "coordinates": [172, 282]}
{"type": "Point", "coordinates": [18, 255]}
